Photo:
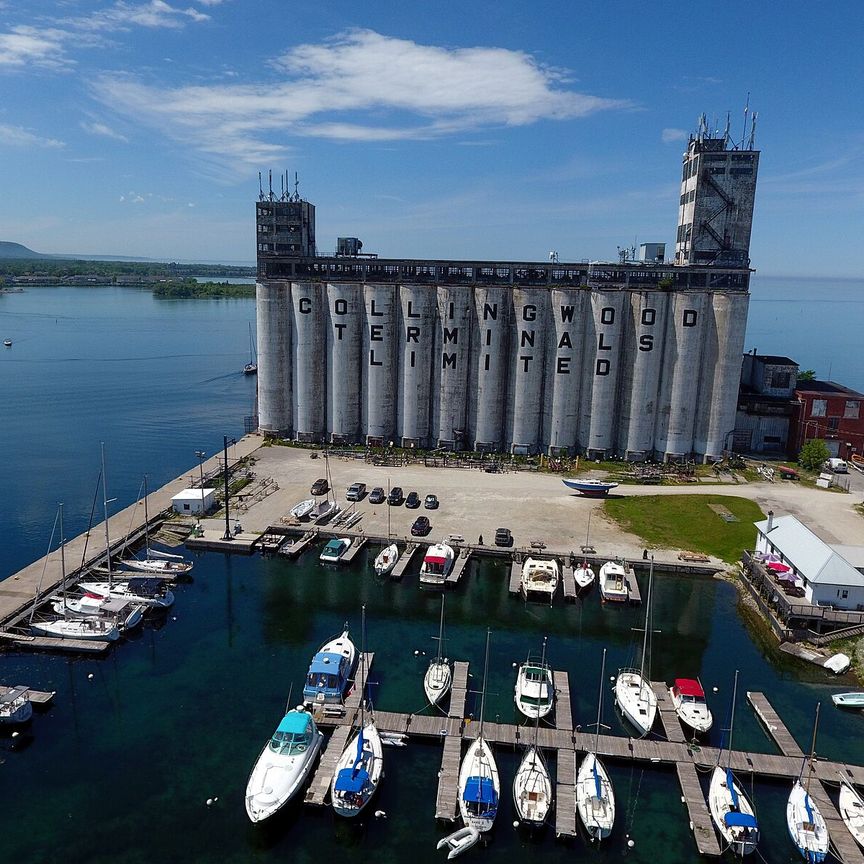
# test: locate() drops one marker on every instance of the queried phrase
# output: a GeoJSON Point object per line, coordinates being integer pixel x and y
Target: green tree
{"type": "Point", "coordinates": [806, 375]}
{"type": "Point", "coordinates": [813, 454]}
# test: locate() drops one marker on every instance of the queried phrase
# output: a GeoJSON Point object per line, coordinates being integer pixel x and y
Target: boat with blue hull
{"type": "Point", "coordinates": [330, 671]}
{"type": "Point", "coordinates": [589, 488]}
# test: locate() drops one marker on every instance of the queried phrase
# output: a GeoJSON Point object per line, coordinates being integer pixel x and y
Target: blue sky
{"type": "Point", "coordinates": [449, 129]}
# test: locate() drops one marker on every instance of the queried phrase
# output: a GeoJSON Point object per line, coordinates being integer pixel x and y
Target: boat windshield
{"type": "Point", "coordinates": [322, 681]}
{"type": "Point", "coordinates": [290, 743]}
{"type": "Point", "coordinates": [535, 700]}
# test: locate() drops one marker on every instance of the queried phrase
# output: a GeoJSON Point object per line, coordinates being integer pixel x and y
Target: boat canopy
{"type": "Point", "coordinates": [295, 723]}
{"type": "Point", "coordinates": [325, 663]}
{"type": "Point", "coordinates": [480, 790]}
{"type": "Point", "coordinates": [689, 687]}
{"type": "Point", "coordinates": [145, 587]}
{"type": "Point", "coordinates": [739, 820]}
{"type": "Point", "coordinates": [334, 545]}
{"type": "Point", "coordinates": [352, 780]}
{"type": "Point", "coordinates": [435, 559]}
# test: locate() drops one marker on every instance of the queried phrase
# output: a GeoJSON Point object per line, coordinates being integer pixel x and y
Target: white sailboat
{"type": "Point", "coordinates": [386, 559]}
{"type": "Point", "coordinates": [595, 797]}
{"type": "Point", "coordinates": [852, 810]}
{"type": "Point", "coordinates": [584, 575]}
{"type": "Point", "coordinates": [479, 786]}
{"type": "Point", "coordinates": [142, 590]}
{"type": "Point", "coordinates": [125, 614]}
{"type": "Point", "coordinates": [730, 809]}
{"type": "Point", "coordinates": [361, 764]}
{"type": "Point", "coordinates": [633, 693]}
{"type": "Point", "coordinates": [439, 676]}
{"type": "Point", "coordinates": [284, 764]}
{"type": "Point", "coordinates": [251, 368]}
{"type": "Point", "coordinates": [805, 822]}
{"type": "Point", "coordinates": [532, 786]}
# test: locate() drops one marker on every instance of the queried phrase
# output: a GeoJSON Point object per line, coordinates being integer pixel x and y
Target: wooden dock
{"type": "Point", "coordinates": [404, 561]}
{"type": "Point", "coordinates": [319, 788]}
{"type": "Point", "coordinates": [37, 697]}
{"type": "Point", "coordinates": [563, 709]}
{"type": "Point", "coordinates": [697, 808]}
{"type": "Point", "coordinates": [571, 592]}
{"type": "Point", "coordinates": [666, 710]}
{"type": "Point", "coordinates": [51, 643]}
{"type": "Point", "coordinates": [446, 799]}
{"type": "Point", "coordinates": [515, 577]}
{"type": "Point", "coordinates": [565, 794]}
{"type": "Point", "coordinates": [356, 545]}
{"type": "Point", "coordinates": [459, 566]}
{"type": "Point", "coordinates": [352, 701]}
{"type": "Point", "coordinates": [634, 595]}
{"type": "Point", "coordinates": [775, 727]}
{"type": "Point", "coordinates": [458, 690]}
{"type": "Point", "coordinates": [293, 549]}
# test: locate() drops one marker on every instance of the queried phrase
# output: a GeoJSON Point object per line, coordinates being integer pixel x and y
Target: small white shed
{"type": "Point", "coordinates": [194, 501]}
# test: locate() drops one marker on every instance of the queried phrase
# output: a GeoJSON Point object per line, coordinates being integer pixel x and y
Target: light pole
{"type": "Point", "coordinates": [201, 455]}
{"type": "Point", "coordinates": [226, 441]}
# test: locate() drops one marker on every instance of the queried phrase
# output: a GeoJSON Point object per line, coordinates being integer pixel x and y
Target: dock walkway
{"type": "Point", "coordinates": [565, 794]}
{"type": "Point", "coordinates": [404, 561]}
{"type": "Point", "coordinates": [37, 697]}
{"type": "Point", "coordinates": [563, 708]}
{"type": "Point", "coordinates": [357, 544]}
{"type": "Point", "coordinates": [515, 577]}
{"type": "Point", "coordinates": [446, 799]}
{"type": "Point", "coordinates": [459, 566]}
{"type": "Point", "coordinates": [666, 711]}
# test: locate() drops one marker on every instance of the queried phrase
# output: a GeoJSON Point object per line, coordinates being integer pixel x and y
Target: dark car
{"type": "Point", "coordinates": [421, 526]}
{"type": "Point", "coordinates": [412, 501]}
{"type": "Point", "coordinates": [431, 502]}
{"type": "Point", "coordinates": [377, 496]}
{"type": "Point", "coordinates": [320, 487]}
{"type": "Point", "coordinates": [503, 537]}
{"type": "Point", "coordinates": [395, 497]}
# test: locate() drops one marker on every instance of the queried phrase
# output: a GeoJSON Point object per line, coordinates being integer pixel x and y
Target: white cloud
{"type": "Point", "coordinates": [156, 13]}
{"type": "Point", "coordinates": [670, 135]}
{"type": "Point", "coordinates": [18, 136]}
{"type": "Point", "coordinates": [360, 86]}
{"type": "Point", "coordinates": [25, 46]}
{"type": "Point", "coordinates": [97, 128]}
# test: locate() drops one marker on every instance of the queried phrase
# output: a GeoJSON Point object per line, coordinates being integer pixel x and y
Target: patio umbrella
{"type": "Point", "coordinates": [777, 567]}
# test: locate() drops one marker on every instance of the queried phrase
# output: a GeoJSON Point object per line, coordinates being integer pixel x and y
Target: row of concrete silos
{"type": "Point", "coordinates": [634, 373]}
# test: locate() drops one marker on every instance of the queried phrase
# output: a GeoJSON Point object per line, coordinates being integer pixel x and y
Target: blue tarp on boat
{"type": "Point", "coordinates": [739, 820]}
{"type": "Point", "coordinates": [352, 780]}
{"type": "Point", "coordinates": [480, 790]}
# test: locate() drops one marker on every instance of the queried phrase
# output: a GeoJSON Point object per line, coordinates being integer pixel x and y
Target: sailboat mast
{"type": "Point", "coordinates": [732, 713]}
{"type": "Point", "coordinates": [105, 510]}
{"type": "Point", "coordinates": [440, 627]}
{"type": "Point", "coordinates": [813, 747]}
{"type": "Point", "coordinates": [543, 667]}
{"type": "Point", "coordinates": [600, 701]}
{"type": "Point", "coordinates": [647, 619]}
{"type": "Point", "coordinates": [146, 521]}
{"type": "Point", "coordinates": [362, 664]}
{"type": "Point", "coordinates": [63, 562]}
{"type": "Point", "coordinates": [483, 693]}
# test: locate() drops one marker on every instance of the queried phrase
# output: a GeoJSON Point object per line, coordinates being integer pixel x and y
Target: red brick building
{"type": "Point", "coordinates": [831, 412]}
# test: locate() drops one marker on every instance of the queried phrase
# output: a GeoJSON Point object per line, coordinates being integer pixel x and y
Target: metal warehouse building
{"type": "Point", "coordinates": [639, 359]}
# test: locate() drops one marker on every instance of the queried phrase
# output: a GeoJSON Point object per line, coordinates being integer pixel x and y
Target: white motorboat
{"type": "Point", "coordinates": [688, 698]}
{"type": "Point", "coordinates": [534, 693]}
{"type": "Point", "coordinates": [284, 765]}
{"type": "Point", "coordinates": [386, 560]}
{"type": "Point", "coordinates": [532, 788]}
{"type": "Point", "coordinates": [479, 785]}
{"type": "Point", "coordinates": [805, 822]}
{"type": "Point", "coordinates": [15, 706]}
{"type": "Point", "coordinates": [633, 692]}
{"type": "Point", "coordinates": [439, 676]}
{"type": "Point", "coordinates": [584, 576]}
{"type": "Point", "coordinates": [852, 810]}
{"type": "Point", "coordinates": [848, 700]}
{"type": "Point", "coordinates": [125, 614]}
{"type": "Point", "coordinates": [437, 564]}
{"type": "Point", "coordinates": [144, 591]}
{"type": "Point", "coordinates": [335, 549]}
{"type": "Point", "coordinates": [613, 583]}
{"type": "Point", "coordinates": [361, 765]}
{"type": "Point", "coordinates": [458, 842]}
{"type": "Point", "coordinates": [539, 578]}
{"type": "Point", "coordinates": [595, 797]}
{"type": "Point", "coordinates": [324, 510]}
{"type": "Point", "coordinates": [303, 509]}
{"type": "Point", "coordinates": [730, 809]}
{"type": "Point", "coordinates": [330, 670]}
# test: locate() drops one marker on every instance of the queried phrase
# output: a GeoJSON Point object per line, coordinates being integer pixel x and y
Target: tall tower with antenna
{"type": "Point", "coordinates": [718, 191]}
{"type": "Point", "coordinates": [284, 224]}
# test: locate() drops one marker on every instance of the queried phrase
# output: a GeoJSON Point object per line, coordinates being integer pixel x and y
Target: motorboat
{"type": "Point", "coordinates": [15, 706]}
{"type": "Point", "coordinates": [335, 549]}
{"type": "Point", "coordinates": [386, 560]}
{"type": "Point", "coordinates": [848, 700]}
{"type": "Point", "coordinates": [361, 765]}
{"type": "Point", "coordinates": [146, 592]}
{"type": "Point", "coordinates": [479, 785]}
{"type": "Point", "coordinates": [837, 663]}
{"type": "Point", "coordinates": [439, 676]}
{"type": "Point", "coordinates": [613, 583]}
{"type": "Point", "coordinates": [804, 820]}
{"type": "Point", "coordinates": [852, 810]}
{"type": "Point", "coordinates": [330, 670]}
{"type": "Point", "coordinates": [584, 576]}
{"type": "Point", "coordinates": [284, 765]}
{"type": "Point", "coordinates": [539, 578]}
{"type": "Point", "coordinates": [688, 698]}
{"type": "Point", "coordinates": [595, 797]}
{"type": "Point", "coordinates": [303, 509]}
{"type": "Point", "coordinates": [532, 788]}
{"type": "Point", "coordinates": [323, 511]}
{"type": "Point", "coordinates": [7, 343]}
{"type": "Point", "coordinates": [534, 694]}
{"type": "Point", "coordinates": [730, 809]}
{"type": "Point", "coordinates": [589, 488]}
{"type": "Point", "coordinates": [437, 564]}
{"type": "Point", "coordinates": [458, 842]}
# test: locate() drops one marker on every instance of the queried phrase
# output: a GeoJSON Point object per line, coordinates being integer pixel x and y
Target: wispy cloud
{"type": "Point", "coordinates": [154, 14]}
{"type": "Point", "coordinates": [18, 136]}
{"type": "Point", "coordinates": [359, 86]}
{"type": "Point", "coordinates": [97, 128]}
{"type": "Point", "coordinates": [670, 135]}
{"type": "Point", "coordinates": [27, 47]}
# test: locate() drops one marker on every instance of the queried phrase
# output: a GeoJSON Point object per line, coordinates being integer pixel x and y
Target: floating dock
{"type": "Point", "coordinates": [447, 797]}
{"type": "Point", "coordinates": [37, 697]}
{"type": "Point", "coordinates": [353, 550]}
{"type": "Point", "coordinates": [459, 566]}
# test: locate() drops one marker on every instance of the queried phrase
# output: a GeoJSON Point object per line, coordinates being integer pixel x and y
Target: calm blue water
{"type": "Point", "coordinates": [125, 760]}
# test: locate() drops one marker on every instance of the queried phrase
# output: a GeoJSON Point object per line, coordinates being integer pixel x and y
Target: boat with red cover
{"type": "Point", "coordinates": [688, 697]}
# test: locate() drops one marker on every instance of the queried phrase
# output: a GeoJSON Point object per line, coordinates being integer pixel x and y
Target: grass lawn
{"type": "Point", "coordinates": [687, 522]}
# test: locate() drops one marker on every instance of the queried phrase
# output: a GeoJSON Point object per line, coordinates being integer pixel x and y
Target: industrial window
{"type": "Point", "coordinates": [833, 424]}
{"type": "Point", "coordinates": [819, 408]}
{"type": "Point", "coordinates": [780, 379]}
{"type": "Point", "coordinates": [843, 594]}
{"type": "Point", "coordinates": [851, 410]}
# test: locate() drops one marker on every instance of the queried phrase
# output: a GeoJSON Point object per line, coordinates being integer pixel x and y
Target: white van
{"type": "Point", "coordinates": [838, 466]}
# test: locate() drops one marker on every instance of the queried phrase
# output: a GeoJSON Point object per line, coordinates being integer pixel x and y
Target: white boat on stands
{"type": "Point", "coordinates": [806, 825]}
{"type": "Point", "coordinates": [335, 549]}
{"type": "Point", "coordinates": [15, 706]}
{"type": "Point", "coordinates": [688, 698]}
{"type": "Point", "coordinates": [583, 575]}
{"type": "Point", "coordinates": [458, 842]}
{"type": "Point", "coordinates": [539, 578]}
{"type": "Point", "coordinates": [438, 677]}
{"type": "Point", "coordinates": [283, 766]}
{"type": "Point", "coordinates": [532, 788]}
{"type": "Point", "coordinates": [324, 510]}
{"type": "Point", "coordinates": [852, 811]}
{"type": "Point", "coordinates": [147, 592]}
{"type": "Point", "coordinates": [848, 700]}
{"type": "Point", "coordinates": [437, 564]}
{"type": "Point", "coordinates": [613, 583]}
{"type": "Point", "coordinates": [123, 613]}
{"type": "Point", "coordinates": [303, 509]}
{"type": "Point", "coordinates": [386, 560]}
{"type": "Point", "coordinates": [534, 694]}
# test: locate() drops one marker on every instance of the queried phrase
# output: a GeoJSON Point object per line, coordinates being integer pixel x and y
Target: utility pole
{"type": "Point", "coordinates": [228, 535]}
{"type": "Point", "coordinates": [201, 454]}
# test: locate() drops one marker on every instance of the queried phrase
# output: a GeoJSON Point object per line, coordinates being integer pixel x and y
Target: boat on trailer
{"type": "Point", "coordinates": [590, 488]}
{"type": "Point", "coordinates": [303, 509]}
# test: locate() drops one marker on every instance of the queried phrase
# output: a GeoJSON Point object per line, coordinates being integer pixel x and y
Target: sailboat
{"type": "Point", "coordinates": [387, 558]}
{"type": "Point", "coordinates": [852, 810]}
{"type": "Point", "coordinates": [806, 824]}
{"type": "Point", "coordinates": [361, 764]}
{"type": "Point", "coordinates": [595, 797]}
{"type": "Point", "coordinates": [731, 811]}
{"type": "Point", "coordinates": [583, 574]}
{"type": "Point", "coordinates": [329, 507]}
{"type": "Point", "coordinates": [251, 368]}
{"type": "Point", "coordinates": [438, 677]}
{"type": "Point", "coordinates": [479, 786]}
{"type": "Point", "coordinates": [532, 786]}
{"type": "Point", "coordinates": [633, 693]}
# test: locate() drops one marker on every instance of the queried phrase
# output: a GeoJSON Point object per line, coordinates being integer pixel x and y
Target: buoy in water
{"type": "Point", "coordinates": [630, 844]}
{"type": "Point", "coordinates": [89, 676]}
{"type": "Point", "coordinates": [209, 802]}
{"type": "Point", "coordinates": [380, 814]}
{"type": "Point", "coordinates": [515, 823]}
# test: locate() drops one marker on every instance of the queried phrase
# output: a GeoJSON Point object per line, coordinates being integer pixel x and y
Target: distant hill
{"type": "Point", "coordinates": [16, 250]}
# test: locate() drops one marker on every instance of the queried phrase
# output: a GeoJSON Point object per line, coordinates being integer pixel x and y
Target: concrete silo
{"type": "Point", "coordinates": [308, 343]}
{"type": "Point", "coordinates": [344, 358]}
{"type": "Point", "coordinates": [273, 326]}
{"type": "Point", "coordinates": [415, 346]}
{"type": "Point", "coordinates": [379, 363]}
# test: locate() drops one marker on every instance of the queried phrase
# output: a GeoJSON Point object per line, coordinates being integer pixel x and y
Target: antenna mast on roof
{"type": "Point", "coordinates": [726, 131]}
{"type": "Point", "coordinates": [270, 175]}
{"type": "Point", "coordinates": [260, 188]}
{"type": "Point", "coordinates": [752, 140]}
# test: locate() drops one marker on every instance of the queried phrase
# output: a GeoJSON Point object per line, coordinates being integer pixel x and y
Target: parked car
{"type": "Point", "coordinates": [395, 497]}
{"type": "Point", "coordinates": [320, 487]}
{"type": "Point", "coordinates": [503, 537]}
{"type": "Point", "coordinates": [431, 502]}
{"type": "Point", "coordinates": [355, 492]}
{"type": "Point", "coordinates": [412, 501]}
{"type": "Point", "coordinates": [377, 496]}
{"type": "Point", "coordinates": [421, 526]}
